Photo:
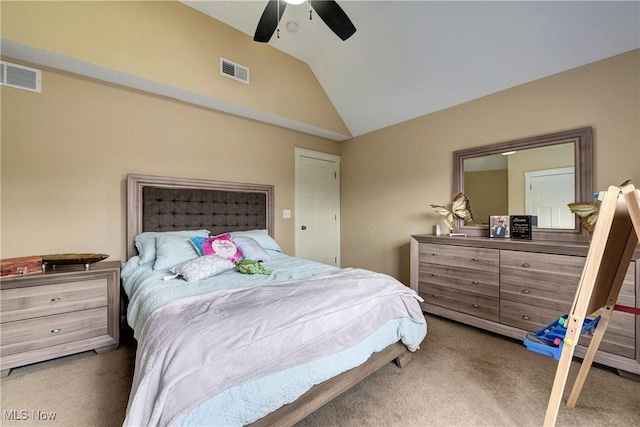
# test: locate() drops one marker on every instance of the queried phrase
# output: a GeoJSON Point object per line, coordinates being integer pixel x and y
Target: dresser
{"type": "Point", "coordinates": [59, 312]}
{"type": "Point", "coordinates": [510, 287]}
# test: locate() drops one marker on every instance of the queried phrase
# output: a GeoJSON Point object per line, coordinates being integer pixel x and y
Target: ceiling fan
{"type": "Point", "coordinates": [329, 11]}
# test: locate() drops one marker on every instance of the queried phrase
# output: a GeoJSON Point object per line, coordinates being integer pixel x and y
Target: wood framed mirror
{"type": "Point", "coordinates": [535, 176]}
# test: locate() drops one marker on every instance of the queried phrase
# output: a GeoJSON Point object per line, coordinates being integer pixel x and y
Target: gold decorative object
{"type": "Point", "coordinates": [459, 208]}
{"type": "Point", "coordinates": [66, 259]}
{"type": "Point", "coordinates": [588, 212]}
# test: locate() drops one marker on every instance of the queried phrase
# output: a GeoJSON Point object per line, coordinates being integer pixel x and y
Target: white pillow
{"type": "Point", "coordinates": [202, 267]}
{"type": "Point", "coordinates": [260, 236]}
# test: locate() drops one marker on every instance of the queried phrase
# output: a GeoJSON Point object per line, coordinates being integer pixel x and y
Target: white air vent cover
{"type": "Point", "coordinates": [20, 77]}
{"type": "Point", "coordinates": [234, 71]}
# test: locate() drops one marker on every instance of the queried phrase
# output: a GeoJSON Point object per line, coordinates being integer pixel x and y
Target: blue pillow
{"type": "Point", "coordinates": [260, 236]}
{"type": "Point", "coordinates": [251, 249]}
{"type": "Point", "coordinates": [146, 242]}
{"type": "Point", "coordinates": [172, 250]}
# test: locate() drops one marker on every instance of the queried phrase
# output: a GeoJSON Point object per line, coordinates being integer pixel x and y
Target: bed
{"type": "Point", "coordinates": [236, 349]}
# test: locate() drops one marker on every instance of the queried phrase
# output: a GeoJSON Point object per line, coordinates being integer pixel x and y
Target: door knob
{"type": "Point", "coordinates": [304, 227]}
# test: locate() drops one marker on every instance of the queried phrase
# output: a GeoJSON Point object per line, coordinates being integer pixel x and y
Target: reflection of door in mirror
{"type": "Point", "coordinates": [495, 184]}
{"type": "Point", "coordinates": [548, 192]}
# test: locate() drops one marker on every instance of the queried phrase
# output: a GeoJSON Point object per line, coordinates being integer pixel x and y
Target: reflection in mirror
{"type": "Point", "coordinates": [536, 181]}
{"type": "Point", "coordinates": [535, 176]}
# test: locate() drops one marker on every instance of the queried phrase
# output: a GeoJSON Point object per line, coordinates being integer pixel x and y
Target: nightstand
{"type": "Point", "coordinates": [60, 312]}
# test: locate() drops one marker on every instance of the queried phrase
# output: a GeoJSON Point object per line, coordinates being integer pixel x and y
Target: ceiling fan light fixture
{"type": "Point", "coordinates": [295, 2]}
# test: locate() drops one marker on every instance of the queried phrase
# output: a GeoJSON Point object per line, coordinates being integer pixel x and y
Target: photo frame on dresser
{"type": "Point", "coordinates": [499, 226]}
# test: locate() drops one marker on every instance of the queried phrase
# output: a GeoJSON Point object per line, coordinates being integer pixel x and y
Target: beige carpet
{"type": "Point", "coordinates": [460, 377]}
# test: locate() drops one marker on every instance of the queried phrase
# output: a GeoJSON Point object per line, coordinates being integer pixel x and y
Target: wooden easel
{"type": "Point", "coordinates": [613, 242]}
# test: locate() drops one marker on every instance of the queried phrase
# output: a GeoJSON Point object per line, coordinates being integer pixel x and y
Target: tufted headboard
{"type": "Point", "coordinates": [156, 203]}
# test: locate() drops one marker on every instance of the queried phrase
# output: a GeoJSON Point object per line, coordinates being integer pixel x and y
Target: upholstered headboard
{"type": "Point", "coordinates": [156, 203]}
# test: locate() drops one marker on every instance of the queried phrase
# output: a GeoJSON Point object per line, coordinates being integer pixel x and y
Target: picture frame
{"type": "Point", "coordinates": [521, 226]}
{"type": "Point", "coordinates": [499, 226]}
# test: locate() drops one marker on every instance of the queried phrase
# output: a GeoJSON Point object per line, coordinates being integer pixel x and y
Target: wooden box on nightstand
{"type": "Point", "coordinates": [59, 312]}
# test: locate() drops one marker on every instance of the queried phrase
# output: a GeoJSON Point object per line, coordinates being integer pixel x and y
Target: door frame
{"type": "Point", "coordinates": [303, 152]}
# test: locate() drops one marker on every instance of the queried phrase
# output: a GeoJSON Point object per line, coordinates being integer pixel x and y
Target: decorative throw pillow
{"type": "Point", "coordinates": [171, 250]}
{"type": "Point", "coordinates": [251, 249]}
{"type": "Point", "coordinates": [146, 242]}
{"type": "Point", "coordinates": [249, 266]}
{"type": "Point", "coordinates": [260, 236]}
{"type": "Point", "coordinates": [202, 267]}
{"type": "Point", "coordinates": [221, 245]}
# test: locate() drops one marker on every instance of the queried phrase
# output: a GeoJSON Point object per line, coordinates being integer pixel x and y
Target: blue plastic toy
{"type": "Point", "coordinates": [550, 339]}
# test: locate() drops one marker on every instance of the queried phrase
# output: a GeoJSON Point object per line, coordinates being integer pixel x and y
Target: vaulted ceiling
{"type": "Point", "coordinates": [411, 58]}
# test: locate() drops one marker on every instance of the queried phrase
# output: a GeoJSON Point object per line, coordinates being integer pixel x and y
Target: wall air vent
{"type": "Point", "coordinates": [234, 71]}
{"type": "Point", "coordinates": [20, 77]}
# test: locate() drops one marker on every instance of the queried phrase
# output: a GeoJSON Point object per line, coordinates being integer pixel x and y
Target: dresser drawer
{"type": "Point", "coordinates": [464, 302]}
{"type": "Point", "coordinates": [473, 281]}
{"type": "Point", "coordinates": [44, 300]}
{"type": "Point", "coordinates": [618, 339]}
{"type": "Point", "coordinates": [481, 259]}
{"type": "Point", "coordinates": [544, 280]}
{"type": "Point", "coordinates": [41, 332]}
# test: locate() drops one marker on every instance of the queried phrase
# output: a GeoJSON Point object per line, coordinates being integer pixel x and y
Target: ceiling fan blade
{"type": "Point", "coordinates": [335, 18]}
{"type": "Point", "coordinates": [269, 21]}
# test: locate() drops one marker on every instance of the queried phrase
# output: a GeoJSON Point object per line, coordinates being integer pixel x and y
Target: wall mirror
{"type": "Point", "coordinates": [535, 176]}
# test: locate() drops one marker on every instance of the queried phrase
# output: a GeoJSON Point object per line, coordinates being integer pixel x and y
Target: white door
{"type": "Point", "coordinates": [317, 206]}
{"type": "Point", "coordinates": [547, 196]}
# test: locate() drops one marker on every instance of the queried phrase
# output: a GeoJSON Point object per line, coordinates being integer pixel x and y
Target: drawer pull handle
{"type": "Point", "coordinates": [55, 331]}
{"type": "Point", "coordinates": [474, 259]}
{"type": "Point", "coordinates": [475, 282]}
{"type": "Point", "coordinates": [434, 275]}
{"type": "Point", "coordinates": [55, 299]}
{"type": "Point", "coordinates": [476, 306]}
{"type": "Point", "coordinates": [526, 265]}
{"type": "Point", "coordinates": [525, 317]}
{"type": "Point", "coordinates": [434, 296]}
{"type": "Point", "coordinates": [434, 254]}
{"type": "Point", "coordinates": [526, 291]}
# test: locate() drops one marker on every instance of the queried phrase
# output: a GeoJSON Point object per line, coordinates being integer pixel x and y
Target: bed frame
{"type": "Point", "coordinates": [156, 203]}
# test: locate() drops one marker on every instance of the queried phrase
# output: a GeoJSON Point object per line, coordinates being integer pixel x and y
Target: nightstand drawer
{"type": "Point", "coordinates": [45, 300]}
{"type": "Point", "coordinates": [32, 334]}
{"type": "Point", "coordinates": [464, 302]}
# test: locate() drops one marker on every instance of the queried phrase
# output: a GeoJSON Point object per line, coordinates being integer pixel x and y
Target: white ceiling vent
{"type": "Point", "coordinates": [20, 77]}
{"type": "Point", "coordinates": [234, 71]}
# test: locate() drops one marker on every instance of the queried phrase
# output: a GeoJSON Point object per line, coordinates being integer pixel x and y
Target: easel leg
{"type": "Point", "coordinates": [559, 382]}
{"type": "Point", "coordinates": [588, 358]}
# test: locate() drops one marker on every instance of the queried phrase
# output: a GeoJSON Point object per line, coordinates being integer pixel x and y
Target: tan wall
{"type": "Point", "coordinates": [66, 153]}
{"type": "Point", "coordinates": [170, 43]}
{"type": "Point", "coordinates": [391, 176]}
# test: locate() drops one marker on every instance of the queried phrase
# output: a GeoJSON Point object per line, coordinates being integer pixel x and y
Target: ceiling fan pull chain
{"type": "Point", "coordinates": [310, 10]}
